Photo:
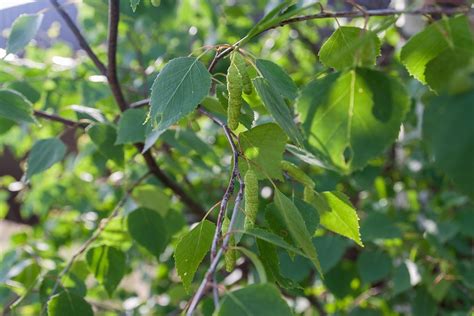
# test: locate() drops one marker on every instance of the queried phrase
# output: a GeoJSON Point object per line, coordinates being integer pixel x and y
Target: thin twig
{"type": "Point", "coordinates": [114, 19]}
{"type": "Point", "coordinates": [369, 13]}
{"type": "Point", "coordinates": [82, 41]}
{"type": "Point", "coordinates": [103, 224]}
{"type": "Point", "coordinates": [225, 244]}
{"type": "Point", "coordinates": [139, 104]}
{"type": "Point", "coordinates": [60, 119]}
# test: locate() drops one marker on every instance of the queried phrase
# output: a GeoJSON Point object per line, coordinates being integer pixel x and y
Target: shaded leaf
{"type": "Point", "coordinates": [373, 266]}
{"type": "Point", "coordinates": [14, 106]}
{"type": "Point", "coordinates": [350, 46]}
{"type": "Point", "coordinates": [108, 266]}
{"type": "Point", "coordinates": [351, 117]}
{"type": "Point", "coordinates": [152, 197]}
{"type": "Point", "coordinates": [44, 154]}
{"type": "Point", "coordinates": [296, 227]}
{"type": "Point", "coordinates": [23, 30]}
{"type": "Point", "coordinates": [191, 250]}
{"type": "Point", "coordinates": [330, 250]}
{"type": "Point", "coordinates": [449, 118]}
{"type": "Point", "coordinates": [130, 127]}
{"type": "Point", "coordinates": [70, 304]}
{"type": "Point", "coordinates": [278, 108]}
{"type": "Point", "coordinates": [104, 136]}
{"type": "Point", "coordinates": [277, 78]}
{"type": "Point", "coordinates": [148, 228]}
{"type": "Point", "coordinates": [254, 300]}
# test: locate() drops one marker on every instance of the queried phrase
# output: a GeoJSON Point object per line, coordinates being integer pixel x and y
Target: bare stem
{"type": "Point", "coordinates": [114, 19]}
{"type": "Point", "coordinates": [369, 13]}
{"type": "Point", "coordinates": [60, 119]}
{"type": "Point", "coordinates": [213, 266]}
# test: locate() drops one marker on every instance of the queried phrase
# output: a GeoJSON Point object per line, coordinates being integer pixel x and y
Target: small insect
{"type": "Point", "coordinates": [251, 198]}
{"type": "Point", "coordinates": [242, 67]}
{"type": "Point", "coordinates": [230, 256]}
{"type": "Point", "coordinates": [296, 173]}
{"type": "Point", "coordinates": [234, 88]}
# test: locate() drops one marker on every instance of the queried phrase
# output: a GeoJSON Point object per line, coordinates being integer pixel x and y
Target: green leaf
{"type": "Point", "coordinates": [379, 226]}
{"type": "Point", "coordinates": [277, 223]}
{"type": "Point", "coordinates": [191, 250]}
{"type": "Point", "coordinates": [264, 145]}
{"type": "Point", "coordinates": [277, 107]}
{"type": "Point", "coordinates": [15, 107]}
{"type": "Point", "coordinates": [152, 197]}
{"type": "Point", "coordinates": [451, 33]}
{"type": "Point", "coordinates": [23, 30]}
{"type": "Point", "coordinates": [134, 4]}
{"type": "Point", "coordinates": [331, 249]}
{"type": "Point", "coordinates": [177, 90]}
{"type": "Point", "coordinates": [69, 282]}
{"type": "Point", "coordinates": [259, 268]}
{"type": "Point", "coordinates": [131, 128]}
{"type": "Point", "coordinates": [340, 216]}
{"type": "Point", "coordinates": [401, 279]}
{"type": "Point", "coordinates": [108, 265]}
{"type": "Point", "coordinates": [351, 117]}
{"type": "Point", "coordinates": [424, 304]}
{"type": "Point", "coordinates": [296, 227]}
{"type": "Point", "coordinates": [104, 136]}
{"type": "Point", "coordinates": [272, 238]}
{"type": "Point", "coordinates": [25, 89]}
{"type": "Point", "coordinates": [277, 78]}
{"type": "Point", "coordinates": [5, 125]}
{"type": "Point", "coordinates": [450, 71]}
{"type": "Point", "coordinates": [271, 262]}
{"type": "Point", "coordinates": [373, 266]}
{"type": "Point", "coordinates": [350, 46]}
{"type": "Point", "coordinates": [70, 304]}
{"type": "Point", "coordinates": [44, 154]}
{"type": "Point", "coordinates": [447, 131]}
{"type": "Point", "coordinates": [148, 228]}
{"type": "Point", "coordinates": [254, 300]}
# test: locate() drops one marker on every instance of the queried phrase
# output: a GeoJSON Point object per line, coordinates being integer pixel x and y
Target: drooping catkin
{"type": "Point", "coordinates": [230, 256]}
{"type": "Point", "coordinates": [251, 198]}
{"type": "Point", "coordinates": [242, 67]}
{"type": "Point", "coordinates": [235, 101]}
{"type": "Point", "coordinates": [296, 173]}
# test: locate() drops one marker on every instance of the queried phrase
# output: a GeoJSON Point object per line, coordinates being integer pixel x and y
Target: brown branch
{"type": "Point", "coordinates": [82, 41]}
{"type": "Point", "coordinates": [114, 19]}
{"type": "Point", "coordinates": [209, 276]}
{"type": "Point", "coordinates": [369, 13]}
{"type": "Point", "coordinates": [60, 119]}
{"type": "Point", "coordinates": [167, 181]}
{"type": "Point", "coordinates": [111, 73]}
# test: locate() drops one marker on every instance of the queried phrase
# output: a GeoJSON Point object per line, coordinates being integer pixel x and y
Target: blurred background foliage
{"type": "Point", "coordinates": [417, 228]}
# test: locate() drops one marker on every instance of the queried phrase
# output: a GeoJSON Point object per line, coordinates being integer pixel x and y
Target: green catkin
{"type": "Point", "coordinates": [242, 67]}
{"type": "Point", "coordinates": [234, 88]}
{"type": "Point", "coordinates": [251, 198]}
{"type": "Point", "coordinates": [230, 256]}
{"type": "Point", "coordinates": [296, 173]}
